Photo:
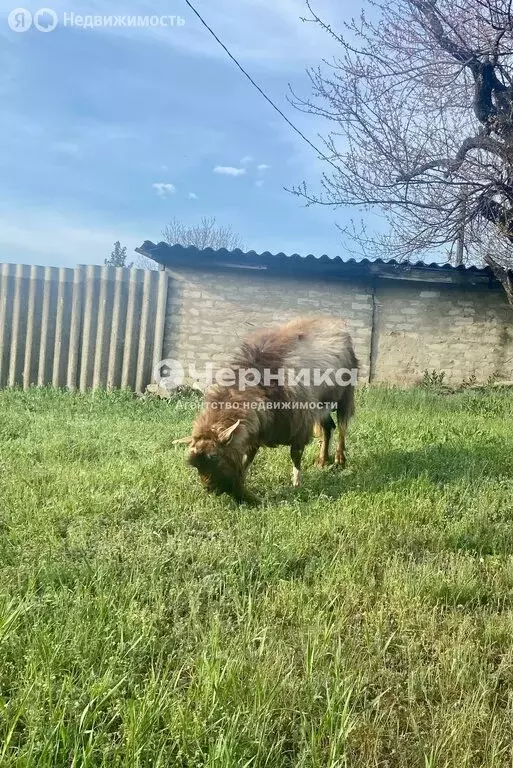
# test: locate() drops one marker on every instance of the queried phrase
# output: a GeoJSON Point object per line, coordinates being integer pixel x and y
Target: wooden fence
{"type": "Point", "coordinates": [80, 328]}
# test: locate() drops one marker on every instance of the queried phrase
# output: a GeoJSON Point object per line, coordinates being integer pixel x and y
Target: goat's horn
{"type": "Point", "coordinates": [225, 435]}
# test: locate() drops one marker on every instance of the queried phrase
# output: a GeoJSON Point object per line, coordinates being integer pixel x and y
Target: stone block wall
{"type": "Point", "coordinates": [463, 332]}
{"type": "Point", "coordinates": [400, 328]}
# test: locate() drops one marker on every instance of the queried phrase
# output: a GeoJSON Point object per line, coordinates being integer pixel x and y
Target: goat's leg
{"type": "Point", "coordinates": [340, 457]}
{"type": "Point", "coordinates": [296, 454]}
{"type": "Point", "coordinates": [326, 427]}
{"type": "Point", "coordinates": [248, 459]}
{"type": "Point", "coordinates": [237, 487]}
{"type": "Point", "coordinates": [345, 409]}
{"type": "Point", "coordinates": [244, 496]}
{"type": "Point", "coordinates": [241, 494]}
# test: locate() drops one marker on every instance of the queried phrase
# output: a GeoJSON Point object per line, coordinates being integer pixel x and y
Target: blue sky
{"type": "Point", "coordinates": [106, 134]}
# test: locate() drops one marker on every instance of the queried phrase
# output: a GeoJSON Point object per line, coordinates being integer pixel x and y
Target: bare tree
{"type": "Point", "coordinates": [206, 234]}
{"type": "Point", "coordinates": [421, 106]}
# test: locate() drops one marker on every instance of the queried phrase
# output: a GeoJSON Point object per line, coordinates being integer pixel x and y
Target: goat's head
{"type": "Point", "coordinates": [219, 464]}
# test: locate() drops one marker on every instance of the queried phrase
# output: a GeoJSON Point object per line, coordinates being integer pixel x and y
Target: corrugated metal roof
{"type": "Point", "coordinates": [166, 254]}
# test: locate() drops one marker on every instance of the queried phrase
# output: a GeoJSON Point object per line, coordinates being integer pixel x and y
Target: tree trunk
{"type": "Point", "coordinates": [505, 276]}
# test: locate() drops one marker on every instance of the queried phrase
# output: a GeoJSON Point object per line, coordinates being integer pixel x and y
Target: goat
{"type": "Point", "coordinates": [237, 420]}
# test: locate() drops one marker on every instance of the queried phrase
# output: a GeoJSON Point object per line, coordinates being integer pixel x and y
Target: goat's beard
{"type": "Point", "coordinates": [224, 476]}
{"type": "Point", "coordinates": [229, 479]}
{"type": "Point", "coordinates": [213, 484]}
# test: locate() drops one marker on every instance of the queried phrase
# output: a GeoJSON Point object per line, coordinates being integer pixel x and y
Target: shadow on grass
{"type": "Point", "coordinates": [441, 464]}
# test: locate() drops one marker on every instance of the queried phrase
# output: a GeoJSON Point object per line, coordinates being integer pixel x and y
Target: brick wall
{"type": "Point", "coordinates": [404, 327]}
{"type": "Point", "coordinates": [463, 332]}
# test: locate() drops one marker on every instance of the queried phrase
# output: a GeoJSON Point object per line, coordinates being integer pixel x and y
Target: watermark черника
{"type": "Point", "coordinates": [46, 20]}
{"type": "Point", "coordinates": [171, 374]}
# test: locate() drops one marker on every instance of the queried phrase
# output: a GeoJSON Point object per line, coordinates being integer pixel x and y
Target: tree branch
{"type": "Point", "coordinates": [428, 10]}
{"type": "Point", "coordinates": [472, 142]}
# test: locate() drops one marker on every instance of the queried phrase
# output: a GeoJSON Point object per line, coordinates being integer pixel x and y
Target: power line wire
{"type": "Point", "coordinates": [266, 97]}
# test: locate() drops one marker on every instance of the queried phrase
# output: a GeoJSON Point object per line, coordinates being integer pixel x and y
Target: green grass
{"type": "Point", "coordinates": [363, 620]}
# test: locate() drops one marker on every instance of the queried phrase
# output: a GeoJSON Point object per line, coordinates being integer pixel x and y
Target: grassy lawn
{"type": "Point", "coordinates": [363, 620]}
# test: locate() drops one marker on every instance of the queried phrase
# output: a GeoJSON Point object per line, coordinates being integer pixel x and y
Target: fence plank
{"type": "Point", "coordinates": [85, 327]}
{"type": "Point", "coordinates": [75, 328]}
{"type": "Point", "coordinates": [115, 353]}
{"type": "Point", "coordinates": [160, 321]}
{"type": "Point", "coordinates": [5, 329]}
{"type": "Point", "coordinates": [88, 323]}
{"type": "Point", "coordinates": [142, 352]}
{"type": "Point", "coordinates": [45, 327]}
{"type": "Point", "coordinates": [100, 330]}
{"type": "Point", "coordinates": [126, 376]}
{"type": "Point", "coordinates": [19, 276]}
{"type": "Point", "coordinates": [36, 278]}
{"type": "Point", "coordinates": [59, 328]}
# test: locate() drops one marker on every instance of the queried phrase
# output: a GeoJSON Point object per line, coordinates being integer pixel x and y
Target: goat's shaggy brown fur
{"type": "Point", "coordinates": [236, 423]}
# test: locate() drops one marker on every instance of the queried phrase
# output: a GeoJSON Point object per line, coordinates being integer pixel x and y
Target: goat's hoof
{"type": "Point", "coordinates": [246, 497]}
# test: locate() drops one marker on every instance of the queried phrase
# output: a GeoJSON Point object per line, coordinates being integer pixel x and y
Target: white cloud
{"type": "Point", "coordinates": [229, 170]}
{"type": "Point", "coordinates": [246, 160]}
{"type": "Point", "coordinates": [193, 196]}
{"type": "Point", "coordinates": [164, 189]}
{"type": "Point", "coordinates": [263, 167]}
{"type": "Point", "coordinates": [259, 183]}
